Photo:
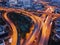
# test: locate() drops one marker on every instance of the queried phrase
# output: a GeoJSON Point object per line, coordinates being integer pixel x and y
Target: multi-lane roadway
{"type": "Point", "coordinates": [39, 32]}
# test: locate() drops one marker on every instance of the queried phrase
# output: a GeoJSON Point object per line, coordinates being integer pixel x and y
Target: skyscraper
{"type": "Point", "coordinates": [55, 0]}
{"type": "Point", "coordinates": [3, 2]}
{"type": "Point", "coordinates": [12, 2]}
{"type": "Point", "coordinates": [27, 3]}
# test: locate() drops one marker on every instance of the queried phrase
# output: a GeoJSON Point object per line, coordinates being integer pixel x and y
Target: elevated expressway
{"type": "Point", "coordinates": [39, 33]}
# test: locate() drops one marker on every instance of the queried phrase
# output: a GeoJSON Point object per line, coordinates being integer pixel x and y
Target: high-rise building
{"type": "Point", "coordinates": [13, 1]}
{"type": "Point", "coordinates": [27, 3]}
{"type": "Point", "coordinates": [55, 0]}
{"type": "Point", "coordinates": [47, 0]}
{"type": "Point", "coordinates": [3, 2]}
{"type": "Point", "coordinates": [37, 1]}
